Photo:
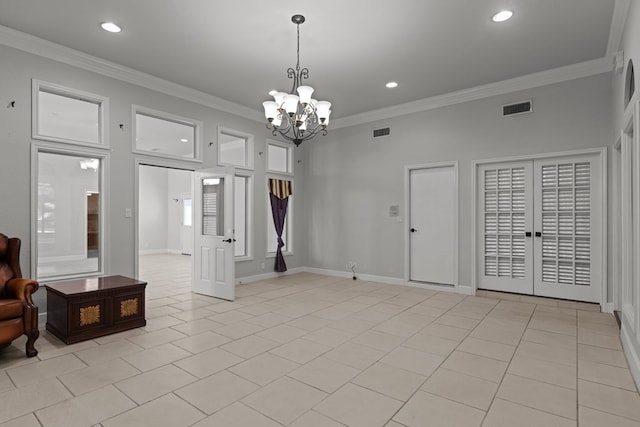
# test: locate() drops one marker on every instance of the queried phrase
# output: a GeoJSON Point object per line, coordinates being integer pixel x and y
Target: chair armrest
{"type": "Point", "coordinates": [22, 289]}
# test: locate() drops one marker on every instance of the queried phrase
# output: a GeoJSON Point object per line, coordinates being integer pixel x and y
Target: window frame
{"type": "Point", "coordinates": [169, 117]}
{"type": "Point", "coordinates": [288, 244]}
{"type": "Point", "coordinates": [103, 186]}
{"type": "Point", "coordinates": [249, 148]}
{"type": "Point", "coordinates": [289, 148]}
{"type": "Point", "coordinates": [38, 86]}
{"type": "Point", "coordinates": [248, 255]}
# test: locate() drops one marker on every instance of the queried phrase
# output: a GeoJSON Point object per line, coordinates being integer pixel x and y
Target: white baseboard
{"type": "Point", "coordinates": [348, 275]}
{"type": "Point", "coordinates": [607, 307]}
{"type": "Point", "coordinates": [160, 251]}
{"type": "Point", "coordinates": [631, 351]}
{"type": "Point", "coordinates": [266, 276]}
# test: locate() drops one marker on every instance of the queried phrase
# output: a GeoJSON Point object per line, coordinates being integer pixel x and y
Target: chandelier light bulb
{"type": "Point", "coordinates": [323, 109]}
{"type": "Point", "coordinates": [291, 104]}
{"type": "Point", "coordinates": [305, 94]}
{"type": "Point", "coordinates": [279, 98]}
{"type": "Point", "coordinates": [270, 110]}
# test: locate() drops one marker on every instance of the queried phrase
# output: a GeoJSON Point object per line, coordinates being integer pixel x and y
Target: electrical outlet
{"type": "Point", "coordinates": [262, 265]}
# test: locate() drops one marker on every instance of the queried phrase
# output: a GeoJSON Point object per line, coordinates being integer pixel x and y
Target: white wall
{"type": "Point", "coordinates": [352, 180]}
{"type": "Point", "coordinates": [179, 183]}
{"type": "Point", "coordinates": [153, 213]}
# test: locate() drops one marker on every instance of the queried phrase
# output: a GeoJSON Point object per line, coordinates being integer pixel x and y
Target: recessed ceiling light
{"type": "Point", "coordinates": [184, 140]}
{"type": "Point", "coordinates": [391, 85]}
{"type": "Point", "coordinates": [111, 27]}
{"type": "Point", "coordinates": [502, 16]}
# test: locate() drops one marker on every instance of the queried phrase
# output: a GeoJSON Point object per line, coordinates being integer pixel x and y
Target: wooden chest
{"type": "Point", "coordinates": [83, 309]}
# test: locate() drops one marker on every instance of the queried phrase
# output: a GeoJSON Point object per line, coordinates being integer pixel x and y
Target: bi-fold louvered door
{"type": "Point", "coordinates": [537, 230]}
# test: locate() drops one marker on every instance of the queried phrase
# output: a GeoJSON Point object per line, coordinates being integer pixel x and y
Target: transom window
{"type": "Point", "coordinates": [166, 135]}
{"type": "Point", "coordinates": [67, 115]}
{"type": "Point", "coordinates": [235, 149]}
{"type": "Point", "coordinates": [279, 157]}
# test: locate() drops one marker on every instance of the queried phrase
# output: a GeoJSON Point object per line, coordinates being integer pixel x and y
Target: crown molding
{"type": "Point", "coordinates": [529, 81]}
{"type": "Point", "coordinates": [37, 46]}
{"type": "Point", "coordinates": [618, 21]}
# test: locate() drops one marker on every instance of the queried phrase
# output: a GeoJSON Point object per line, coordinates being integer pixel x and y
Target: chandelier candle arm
{"type": "Point", "coordinates": [295, 116]}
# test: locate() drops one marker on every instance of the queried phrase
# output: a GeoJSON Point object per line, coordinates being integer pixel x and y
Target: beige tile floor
{"type": "Point", "coordinates": [309, 350]}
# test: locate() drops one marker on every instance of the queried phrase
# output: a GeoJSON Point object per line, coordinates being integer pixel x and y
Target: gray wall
{"type": "Point", "coordinates": [352, 180]}
{"type": "Point", "coordinates": [16, 72]}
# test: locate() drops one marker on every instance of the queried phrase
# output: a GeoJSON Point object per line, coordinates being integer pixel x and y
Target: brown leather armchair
{"type": "Point", "coordinates": [18, 313]}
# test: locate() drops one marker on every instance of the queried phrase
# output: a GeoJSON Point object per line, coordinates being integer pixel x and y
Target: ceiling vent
{"type": "Point", "coordinates": [517, 108]}
{"type": "Point", "coordinates": [377, 133]}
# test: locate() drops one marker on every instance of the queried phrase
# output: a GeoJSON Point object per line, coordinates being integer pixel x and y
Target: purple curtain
{"type": "Point", "coordinates": [279, 192]}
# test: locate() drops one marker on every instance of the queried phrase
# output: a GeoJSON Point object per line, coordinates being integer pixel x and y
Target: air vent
{"type": "Point", "coordinates": [517, 108]}
{"type": "Point", "coordinates": [381, 132]}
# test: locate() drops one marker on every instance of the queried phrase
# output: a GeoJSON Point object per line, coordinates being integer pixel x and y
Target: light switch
{"type": "Point", "coordinates": [128, 213]}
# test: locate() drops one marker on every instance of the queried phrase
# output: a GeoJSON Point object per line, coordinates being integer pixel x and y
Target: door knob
{"type": "Point", "coordinates": [229, 240]}
{"type": "Point", "coordinates": [413, 230]}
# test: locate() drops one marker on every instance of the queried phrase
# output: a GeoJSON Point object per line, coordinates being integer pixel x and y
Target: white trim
{"type": "Point", "coordinates": [38, 86]}
{"type": "Point", "coordinates": [44, 48]}
{"type": "Point", "coordinates": [267, 276]}
{"type": "Point", "coordinates": [618, 20]}
{"type": "Point", "coordinates": [616, 223]}
{"type": "Point", "coordinates": [529, 81]}
{"type": "Point", "coordinates": [360, 276]}
{"type": "Point", "coordinates": [159, 251]}
{"type": "Point", "coordinates": [602, 152]}
{"type": "Point", "coordinates": [103, 189]}
{"type": "Point", "coordinates": [169, 117]}
{"type": "Point", "coordinates": [148, 161]}
{"type": "Point", "coordinates": [249, 215]}
{"type": "Point", "coordinates": [248, 149]}
{"type": "Point", "coordinates": [407, 210]}
{"type": "Point", "coordinates": [630, 351]}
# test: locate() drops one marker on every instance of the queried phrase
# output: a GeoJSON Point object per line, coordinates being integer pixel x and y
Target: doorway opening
{"type": "Point", "coordinates": [165, 233]}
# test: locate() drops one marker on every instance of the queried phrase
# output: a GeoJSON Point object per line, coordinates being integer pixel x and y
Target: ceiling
{"type": "Point", "coordinates": [239, 50]}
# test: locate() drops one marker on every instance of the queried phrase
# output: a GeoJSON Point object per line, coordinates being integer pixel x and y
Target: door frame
{"type": "Point", "coordinates": [407, 234]}
{"type": "Point", "coordinates": [602, 153]}
{"type": "Point", "coordinates": [154, 162]}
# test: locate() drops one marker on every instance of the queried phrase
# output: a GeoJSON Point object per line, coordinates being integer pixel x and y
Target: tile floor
{"type": "Point", "coordinates": [308, 350]}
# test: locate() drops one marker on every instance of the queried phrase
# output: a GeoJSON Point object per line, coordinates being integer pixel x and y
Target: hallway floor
{"type": "Point", "coordinates": [307, 350]}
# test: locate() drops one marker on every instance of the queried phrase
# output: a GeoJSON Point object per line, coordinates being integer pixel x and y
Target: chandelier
{"type": "Point", "coordinates": [297, 118]}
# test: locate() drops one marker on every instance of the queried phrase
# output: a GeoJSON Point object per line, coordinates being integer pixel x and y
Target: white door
{"type": "Point", "coordinates": [568, 238]}
{"type": "Point", "coordinates": [540, 232]}
{"type": "Point", "coordinates": [505, 223]}
{"type": "Point", "coordinates": [433, 224]}
{"type": "Point", "coordinates": [186, 225]}
{"type": "Point", "coordinates": [213, 266]}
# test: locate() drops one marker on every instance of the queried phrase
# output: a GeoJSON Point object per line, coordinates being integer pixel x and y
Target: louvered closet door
{"type": "Point", "coordinates": [505, 253]}
{"type": "Point", "coordinates": [567, 254]}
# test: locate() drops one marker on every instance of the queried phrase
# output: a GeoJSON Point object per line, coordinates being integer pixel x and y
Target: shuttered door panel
{"type": "Point", "coordinates": [566, 192]}
{"type": "Point", "coordinates": [505, 216]}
